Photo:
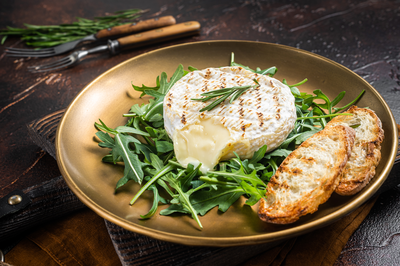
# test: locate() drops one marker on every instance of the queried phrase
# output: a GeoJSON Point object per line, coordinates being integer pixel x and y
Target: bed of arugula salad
{"type": "Point", "coordinates": [147, 152]}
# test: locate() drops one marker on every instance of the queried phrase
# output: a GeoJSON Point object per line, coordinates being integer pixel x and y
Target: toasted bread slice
{"type": "Point", "coordinates": [308, 176]}
{"type": "Point", "coordinates": [366, 154]}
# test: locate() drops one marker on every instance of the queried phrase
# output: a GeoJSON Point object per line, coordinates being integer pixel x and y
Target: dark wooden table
{"type": "Point", "coordinates": [362, 35]}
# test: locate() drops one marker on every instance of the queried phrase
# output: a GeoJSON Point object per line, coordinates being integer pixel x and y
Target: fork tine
{"type": "Point", "coordinates": [16, 52]}
{"type": "Point", "coordinates": [51, 69]}
{"type": "Point", "coordinates": [61, 63]}
{"type": "Point", "coordinates": [52, 64]}
{"type": "Point", "coordinates": [28, 55]}
{"type": "Point", "coordinates": [12, 49]}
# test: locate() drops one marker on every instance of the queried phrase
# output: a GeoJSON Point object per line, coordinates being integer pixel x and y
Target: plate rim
{"type": "Point", "coordinates": [222, 241]}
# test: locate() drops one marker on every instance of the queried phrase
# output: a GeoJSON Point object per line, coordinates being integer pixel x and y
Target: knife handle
{"type": "Point", "coordinates": [136, 27]}
{"type": "Point", "coordinates": [160, 34]}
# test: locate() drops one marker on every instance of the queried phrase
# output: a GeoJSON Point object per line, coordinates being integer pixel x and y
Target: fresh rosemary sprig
{"type": "Point", "coordinates": [321, 116]}
{"type": "Point", "coordinates": [52, 35]}
{"type": "Point", "coordinates": [225, 93]}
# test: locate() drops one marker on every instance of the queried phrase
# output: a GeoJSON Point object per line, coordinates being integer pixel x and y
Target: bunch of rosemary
{"type": "Point", "coordinates": [52, 35]}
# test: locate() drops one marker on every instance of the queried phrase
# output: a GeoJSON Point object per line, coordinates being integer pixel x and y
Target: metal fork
{"type": "Point", "coordinates": [74, 58]}
{"type": "Point", "coordinates": [46, 52]}
{"type": "Point", "coordinates": [102, 34]}
{"type": "Point", "coordinates": [152, 36]}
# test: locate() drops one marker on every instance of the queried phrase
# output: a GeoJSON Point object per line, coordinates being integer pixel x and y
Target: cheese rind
{"type": "Point", "coordinates": [261, 116]}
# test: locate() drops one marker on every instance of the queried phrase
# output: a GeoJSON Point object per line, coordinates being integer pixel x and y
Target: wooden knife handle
{"type": "Point", "coordinates": [136, 27]}
{"type": "Point", "coordinates": [165, 33]}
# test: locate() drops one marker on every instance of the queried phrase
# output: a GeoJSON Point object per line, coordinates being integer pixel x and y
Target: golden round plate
{"type": "Point", "coordinates": [111, 95]}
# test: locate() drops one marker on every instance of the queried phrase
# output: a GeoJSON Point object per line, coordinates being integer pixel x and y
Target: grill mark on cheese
{"type": "Point", "coordinates": [260, 118]}
{"type": "Point", "coordinates": [208, 73]}
{"type": "Point", "coordinates": [241, 112]}
{"type": "Point", "coordinates": [222, 110]}
{"type": "Point", "coordinates": [272, 84]}
{"type": "Point", "coordinates": [183, 119]}
{"type": "Point", "coordinates": [243, 127]}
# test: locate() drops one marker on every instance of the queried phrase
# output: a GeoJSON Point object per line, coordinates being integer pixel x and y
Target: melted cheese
{"type": "Point", "coordinates": [204, 142]}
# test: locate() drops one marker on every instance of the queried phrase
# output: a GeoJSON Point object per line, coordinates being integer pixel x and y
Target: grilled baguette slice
{"type": "Point", "coordinates": [308, 176]}
{"type": "Point", "coordinates": [366, 153]}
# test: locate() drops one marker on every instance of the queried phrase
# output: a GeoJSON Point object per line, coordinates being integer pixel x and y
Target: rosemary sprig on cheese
{"type": "Point", "coordinates": [225, 93]}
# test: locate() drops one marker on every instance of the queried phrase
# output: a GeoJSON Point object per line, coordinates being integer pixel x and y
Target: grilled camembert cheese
{"type": "Point", "coordinates": [263, 115]}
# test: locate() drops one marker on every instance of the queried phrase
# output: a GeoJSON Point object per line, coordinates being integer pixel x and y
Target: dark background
{"type": "Point", "coordinates": [361, 35]}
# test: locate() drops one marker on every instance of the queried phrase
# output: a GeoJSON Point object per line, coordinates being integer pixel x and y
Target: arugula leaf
{"type": "Point", "coordinates": [350, 103]}
{"type": "Point", "coordinates": [338, 98]}
{"type": "Point", "coordinates": [187, 179]}
{"type": "Point", "coordinates": [125, 129]}
{"type": "Point", "coordinates": [139, 110]}
{"type": "Point", "coordinates": [269, 71]}
{"type": "Point", "coordinates": [257, 189]}
{"type": "Point", "coordinates": [165, 85]}
{"type": "Point", "coordinates": [107, 140]}
{"type": "Point", "coordinates": [258, 155]}
{"type": "Point", "coordinates": [222, 196]}
{"type": "Point", "coordinates": [278, 153]}
{"type": "Point", "coordinates": [164, 146]}
{"type": "Point", "coordinates": [169, 167]}
{"type": "Point", "coordinates": [183, 198]}
{"type": "Point", "coordinates": [152, 132]}
{"type": "Point", "coordinates": [305, 135]}
{"type": "Point", "coordinates": [146, 150]}
{"type": "Point", "coordinates": [105, 128]}
{"type": "Point", "coordinates": [122, 152]}
{"type": "Point", "coordinates": [133, 166]}
{"type": "Point", "coordinates": [154, 93]}
{"type": "Point", "coordinates": [108, 159]}
{"type": "Point", "coordinates": [173, 208]}
{"type": "Point", "coordinates": [146, 88]}
{"type": "Point", "coordinates": [154, 207]}
{"type": "Point", "coordinates": [154, 108]}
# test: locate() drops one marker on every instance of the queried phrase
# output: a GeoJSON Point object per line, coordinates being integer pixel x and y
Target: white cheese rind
{"type": "Point", "coordinates": [261, 116]}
